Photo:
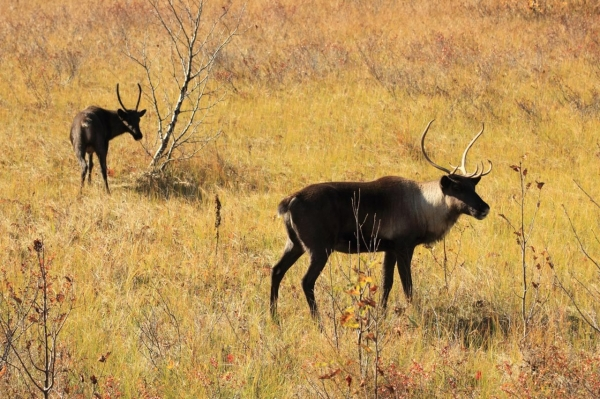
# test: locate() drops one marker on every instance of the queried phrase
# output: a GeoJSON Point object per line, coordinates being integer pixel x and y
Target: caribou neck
{"type": "Point", "coordinates": [116, 125]}
{"type": "Point", "coordinates": [437, 213]}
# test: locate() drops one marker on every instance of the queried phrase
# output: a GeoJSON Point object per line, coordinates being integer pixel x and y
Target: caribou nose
{"type": "Point", "coordinates": [480, 212]}
{"type": "Point", "coordinates": [484, 212]}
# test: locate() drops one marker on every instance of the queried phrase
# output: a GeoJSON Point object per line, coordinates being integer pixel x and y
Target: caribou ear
{"type": "Point", "coordinates": [141, 113]}
{"type": "Point", "coordinates": [445, 182]}
{"type": "Point", "coordinates": [475, 180]}
{"type": "Point", "coordinates": [122, 114]}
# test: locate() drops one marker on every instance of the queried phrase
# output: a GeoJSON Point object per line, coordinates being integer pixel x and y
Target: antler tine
{"type": "Point", "coordinates": [462, 167]}
{"type": "Point", "coordinates": [139, 97]}
{"type": "Point", "coordinates": [474, 174]}
{"type": "Point", "coordinates": [478, 174]}
{"type": "Point", "coordinates": [488, 171]}
{"type": "Point", "coordinates": [425, 154]}
{"type": "Point", "coordinates": [119, 97]}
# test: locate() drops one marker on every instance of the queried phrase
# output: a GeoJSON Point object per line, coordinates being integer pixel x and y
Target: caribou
{"type": "Point", "coordinates": [391, 215]}
{"type": "Point", "coordinates": [94, 127]}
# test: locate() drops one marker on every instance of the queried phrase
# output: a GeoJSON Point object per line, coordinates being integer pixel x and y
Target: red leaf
{"type": "Point", "coordinates": [367, 302]}
{"type": "Point", "coordinates": [330, 375]}
{"type": "Point", "coordinates": [349, 380]}
{"type": "Point", "coordinates": [103, 358]}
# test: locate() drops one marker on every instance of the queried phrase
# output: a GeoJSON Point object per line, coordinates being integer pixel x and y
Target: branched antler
{"type": "Point", "coordinates": [462, 168]}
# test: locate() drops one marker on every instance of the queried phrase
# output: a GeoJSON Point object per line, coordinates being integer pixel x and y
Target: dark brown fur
{"type": "Point", "coordinates": [94, 127]}
{"type": "Point", "coordinates": [395, 215]}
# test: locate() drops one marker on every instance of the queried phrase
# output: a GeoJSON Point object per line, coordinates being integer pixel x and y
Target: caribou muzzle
{"type": "Point", "coordinates": [481, 212]}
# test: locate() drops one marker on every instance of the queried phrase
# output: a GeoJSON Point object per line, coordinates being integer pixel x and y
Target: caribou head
{"type": "Point", "coordinates": [131, 118]}
{"type": "Point", "coordinates": [460, 188]}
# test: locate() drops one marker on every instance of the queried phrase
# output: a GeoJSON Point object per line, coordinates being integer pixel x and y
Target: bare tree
{"type": "Point", "coordinates": [179, 66]}
{"type": "Point", "coordinates": [585, 289]}
{"type": "Point", "coordinates": [32, 316]}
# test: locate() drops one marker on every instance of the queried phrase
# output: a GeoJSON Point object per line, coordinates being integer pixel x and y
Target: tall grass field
{"type": "Point", "coordinates": [161, 288]}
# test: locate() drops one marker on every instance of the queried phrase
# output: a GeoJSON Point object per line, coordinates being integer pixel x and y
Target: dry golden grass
{"type": "Point", "coordinates": [317, 92]}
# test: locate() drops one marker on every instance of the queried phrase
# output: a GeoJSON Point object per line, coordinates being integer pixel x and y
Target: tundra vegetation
{"type": "Point", "coordinates": [162, 288]}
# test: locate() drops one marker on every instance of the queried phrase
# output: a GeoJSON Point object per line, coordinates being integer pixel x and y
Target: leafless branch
{"type": "Point", "coordinates": [581, 247]}
{"type": "Point", "coordinates": [192, 49]}
{"type": "Point", "coordinates": [589, 196]}
{"type": "Point", "coordinates": [587, 318]}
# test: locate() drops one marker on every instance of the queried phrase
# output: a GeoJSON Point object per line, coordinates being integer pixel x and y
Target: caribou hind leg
{"type": "Point", "coordinates": [90, 166]}
{"type": "Point", "coordinates": [102, 159]}
{"type": "Point", "coordinates": [292, 252]}
{"type": "Point", "coordinates": [84, 167]}
{"type": "Point", "coordinates": [318, 260]}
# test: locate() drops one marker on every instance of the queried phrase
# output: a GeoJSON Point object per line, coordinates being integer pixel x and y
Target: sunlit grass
{"type": "Point", "coordinates": [345, 97]}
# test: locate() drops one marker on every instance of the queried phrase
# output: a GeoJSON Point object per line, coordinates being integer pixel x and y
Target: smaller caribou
{"type": "Point", "coordinates": [392, 214]}
{"type": "Point", "coordinates": [94, 127]}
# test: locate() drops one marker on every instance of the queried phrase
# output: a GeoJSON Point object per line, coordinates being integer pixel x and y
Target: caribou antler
{"type": "Point", "coordinates": [119, 97]}
{"type": "Point", "coordinates": [139, 97]}
{"type": "Point", "coordinates": [425, 154]}
{"type": "Point", "coordinates": [138, 100]}
{"type": "Point", "coordinates": [462, 167]}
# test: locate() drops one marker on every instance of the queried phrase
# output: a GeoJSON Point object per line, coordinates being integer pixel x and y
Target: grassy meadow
{"type": "Point", "coordinates": [167, 305]}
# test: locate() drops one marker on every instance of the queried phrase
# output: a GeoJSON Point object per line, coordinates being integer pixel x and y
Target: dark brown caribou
{"type": "Point", "coordinates": [398, 213]}
{"type": "Point", "coordinates": [94, 127]}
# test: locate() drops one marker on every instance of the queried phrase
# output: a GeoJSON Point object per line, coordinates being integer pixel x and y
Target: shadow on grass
{"type": "Point", "coordinates": [192, 180]}
{"type": "Point", "coordinates": [475, 325]}
{"type": "Point", "coordinates": [166, 185]}
{"type": "Point", "coordinates": [478, 324]}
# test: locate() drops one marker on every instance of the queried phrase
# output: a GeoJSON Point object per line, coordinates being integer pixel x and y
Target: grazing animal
{"type": "Point", "coordinates": [396, 214]}
{"type": "Point", "coordinates": [94, 127]}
